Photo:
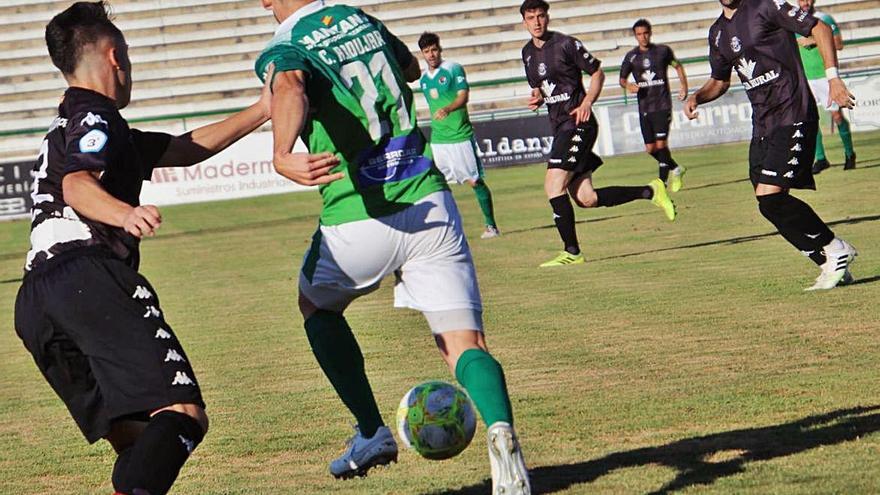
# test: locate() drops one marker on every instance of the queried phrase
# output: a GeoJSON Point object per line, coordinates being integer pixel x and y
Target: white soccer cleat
{"type": "Point", "coordinates": [839, 254]}
{"type": "Point", "coordinates": [490, 232]}
{"type": "Point", "coordinates": [362, 454]}
{"type": "Point", "coordinates": [509, 473]}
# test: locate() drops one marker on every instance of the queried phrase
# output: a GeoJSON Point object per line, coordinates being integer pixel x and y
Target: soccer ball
{"type": "Point", "coordinates": [436, 419]}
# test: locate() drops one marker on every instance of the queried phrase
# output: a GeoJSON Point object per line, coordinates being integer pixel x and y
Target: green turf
{"type": "Point", "coordinates": [682, 356]}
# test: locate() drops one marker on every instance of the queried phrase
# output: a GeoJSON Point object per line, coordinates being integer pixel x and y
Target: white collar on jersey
{"type": "Point", "coordinates": [291, 21]}
{"type": "Point", "coordinates": [443, 65]}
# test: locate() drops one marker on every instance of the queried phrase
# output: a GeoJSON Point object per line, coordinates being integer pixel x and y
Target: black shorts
{"type": "Point", "coordinates": [655, 126]}
{"type": "Point", "coordinates": [96, 332]}
{"type": "Point", "coordinates": [785, 157]}
{"type": "Point", "coordinates": [573, 149]}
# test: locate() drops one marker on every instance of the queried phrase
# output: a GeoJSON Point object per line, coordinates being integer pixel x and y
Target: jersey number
{"type": "Point", "coordinates": [364, 73]}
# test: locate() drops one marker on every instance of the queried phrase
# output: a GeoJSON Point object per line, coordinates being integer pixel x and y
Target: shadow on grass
{"type": "Point", "coordinates": [868, 280]}
{"type": "Point", "coordinates": [703, 460]}
{"type": "Point", "coordinates": [735, 240]}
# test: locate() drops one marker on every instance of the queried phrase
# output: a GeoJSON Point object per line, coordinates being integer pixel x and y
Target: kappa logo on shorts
{"type": "Point", "coordinates": [796, 147]}
{"type": "Point", "coordinates": [574, 149]}
{"type": "Point", "coordinates": [189, 444]}
{"type": "Point", "coordinates": [174, 356]}
{"type": "Point", "coordinates": [142, 292]}
{"type": "Point", "coordinates": [794, 161]}
{"type": "Point", "coordinates": [572, 160]}
{"type": "Point", "coordinates": [162, 334]}
{"type": "Point", "coordinates": [576, 139]}
{"type": "Point", "coordinates": [152, 311]}
{"type": "Point", "coordinates": [789, 174]}
{"type": "Point", "coordinates": [797, 134]}
{"type": "Point", "coordinates": [181, 378]}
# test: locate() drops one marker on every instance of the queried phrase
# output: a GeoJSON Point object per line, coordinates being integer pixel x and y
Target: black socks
{"type": "Point", "coordinates": [563, 216]}
{"type": "Point", "coordinates": [618, 195]}
{"type": "Point", "coordinates": [155, 459]}
{"type": "Point", "coordinates": [797, 223]}
{"type": "Point", "coordinates": [667, 164]}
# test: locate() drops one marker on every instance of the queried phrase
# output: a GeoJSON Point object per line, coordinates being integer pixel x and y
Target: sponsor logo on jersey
{"type": "Point", "coordinates": [93, 119]}
{"type": "Point", "coordinates": [746, 68]}
{"type": "Point", "coordinates": [547, 88]}
{"type": "Point", "coordinates": [542, 69]}
{"type": "Point", "coordinates": [649, 80]}
{"type": "Point", "coordinates": [327, 20]}
{"type": "Point", "coordinates": [182, 378]}
{"type": "Point", "coordinates": [93, 141]}
{"type": "Point", "coordinates": [735, 44]}
{"type": "Point", "coordinates": [323, 37]}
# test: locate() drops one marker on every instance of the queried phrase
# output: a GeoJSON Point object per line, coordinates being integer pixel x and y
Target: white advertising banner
{"type": "Point", "coordinates": [866, 114]}
{"type": "Point", "coordinates": [242, 170]}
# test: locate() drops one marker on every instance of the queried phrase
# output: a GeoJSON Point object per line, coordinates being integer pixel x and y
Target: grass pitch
{"type": "Point", "coordinates": [682, 357]}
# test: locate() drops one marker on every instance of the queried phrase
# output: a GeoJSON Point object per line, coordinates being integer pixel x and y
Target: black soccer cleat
{"type": "Point", "coordinates": [850, 162]}
{"type": "Point", "coordinates": [820, 165]}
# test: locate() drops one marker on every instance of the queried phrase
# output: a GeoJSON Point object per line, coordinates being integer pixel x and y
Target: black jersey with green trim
{"type": "Point", "coordinates": [88, 134]}
{"type": "Point", "coordinates": [759, 43]}
{"type": "Point", "coordinates": [649, 69]}
{"type": "Point", "coordinates": [557, 70]}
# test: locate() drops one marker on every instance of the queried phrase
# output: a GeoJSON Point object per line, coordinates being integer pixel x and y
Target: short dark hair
{"type": "Point", "coordinates": [428, 39]}
{"type": "Point", "coordinates": [642, 23]}
{"type": "Point", "coordinates": [533, 5]}
{"type": "Point", "coordinates": [82, 24]}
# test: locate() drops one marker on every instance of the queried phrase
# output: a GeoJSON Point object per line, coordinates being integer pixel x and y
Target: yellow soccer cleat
{"type": "Point", "coordinates": [565, 258]}
{"type": "Point", "coordinates": [661, 199]}
{"type": "Point", "coordinates": [675, 183]}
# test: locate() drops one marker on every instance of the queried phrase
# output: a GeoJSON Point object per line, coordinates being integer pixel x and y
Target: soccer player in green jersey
{"type": "Point", "coordinates": [446, 90]}
{"type": "Point", "coordinates": [814, 69]}
{"type": "Point", "coordinates": [341, 84]}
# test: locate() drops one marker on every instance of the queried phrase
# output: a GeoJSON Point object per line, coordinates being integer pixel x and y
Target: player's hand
{"type": "Point", "coordinates": [265, 101]}
{"type": "Point", "coordinates": [839, 94]}
{"type": "Point", "coordinates": [632, 87]}
{"type": "Point", "coordinates": [806, 42]}
{"type": "Point", "coordinates": [690, 107]}
{"type": "Point", "coordinates": [535, 102]}
{"type": "Point", "coordinates": [682, 93]}
{"type": "Point", "coordinates": [582, 112]}
{"type": "Point", "coordinates": [308, 169]}
{"type": "Point", "coordinates": [142, 221]}
{"type": "Point", "coordinates": [440, 114]}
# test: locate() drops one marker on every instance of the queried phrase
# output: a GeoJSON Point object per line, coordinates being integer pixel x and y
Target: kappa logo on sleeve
{"type": "Point", "coordinates": [93, 142]}
{"type": "Point", "coordinates": [93, 119]}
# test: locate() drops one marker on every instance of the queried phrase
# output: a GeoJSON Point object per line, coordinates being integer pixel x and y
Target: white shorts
{"type": "Point", "coordinates": [458, 161]}
{"type": "Point", "coordinates": [423, 246]}
{"type": "Point", "coordinates": [820, 90]}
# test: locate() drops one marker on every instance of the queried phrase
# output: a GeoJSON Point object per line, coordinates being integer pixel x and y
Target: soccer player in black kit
{"type": "Point", "coordinates": [92, 323]}
{"type": "Point", "coordinates": [648, 63]}
{"type": "Point", "coordinates": [756, 37]}
{"type": "Point", "coordinates": [554, 64]}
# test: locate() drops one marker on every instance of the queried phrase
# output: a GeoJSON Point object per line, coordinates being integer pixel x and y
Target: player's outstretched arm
{"type": "Point", "coordinates": [837, 89]}
{"type": "Point", "coordinates": [711, 90]}
{"type": "Point", "coordinates": [290, 106]}
{"type": "Point", "coordinates": [85, 194]}
{"type": "Point", "coordinates": [200, 144]}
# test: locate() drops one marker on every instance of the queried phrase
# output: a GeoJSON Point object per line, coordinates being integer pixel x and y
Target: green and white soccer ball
{"type": "Point", "coordinates": [436, 419]}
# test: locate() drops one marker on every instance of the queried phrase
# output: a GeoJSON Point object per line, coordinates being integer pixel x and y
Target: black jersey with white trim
{"type": "Point", "coordinates": [88, 134]}
{"type": "Point", "coordinates": [759, 43]}
{"type": "Point", "coordinates": [557, 70]}
{"type": "Point", "coordinates": [649, 69]}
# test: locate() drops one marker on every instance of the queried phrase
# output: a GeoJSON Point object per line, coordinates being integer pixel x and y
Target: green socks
{"type": "Point", "coordinates": [484, 198]}
{"type": "Point", "coordinates": [845, 137]}
{"type": "Point", "coordinates": [483, 379]}
{"type": "Point", "coordinates": [820, 147]}
{"type": "Point", "coordinates": [340, 357]}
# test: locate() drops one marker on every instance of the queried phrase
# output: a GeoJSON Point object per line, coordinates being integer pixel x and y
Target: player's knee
{"type": "Point", "coordinates": [196, 412]}
{"type": "Point", "coordinates": [586, 199]}
{"type": "Point", "coordinates": [650, 148]}
{"type": "Point", "coordinates": [306, 307]}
